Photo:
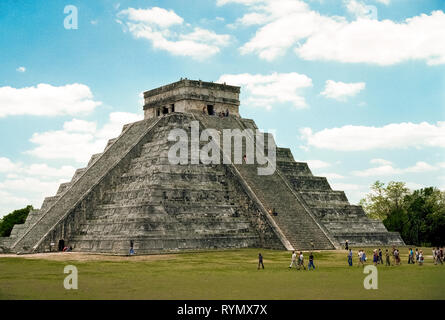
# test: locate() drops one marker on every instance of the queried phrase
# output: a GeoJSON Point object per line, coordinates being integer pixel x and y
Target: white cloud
{"type": "Point", "coordinates": [6, 165]}
{"type": "Point", "coordinates": [47, 100]}
{"type": "Point", "coordinates": [285, 24]}
{"type": "Point", "coordinates": [346, 186]}
{"type": "Point", "coordinates": [380, 42]}
{"type": "Point", "coordinates": [45, 171]}
{"type": "Point", "coordinates": [153, 16]}
{"type": "Point", "coordinates": [385, 2]}
{"type": "Point", "coordinates": [29, 184]}
{"type": "Point", "coordinates": [115, 123]}
{"type": "Point", "coordinates": [207, 36]}
{"type": "Point", "coordinates": [359, 9]}
{"type": "Point", "coordinates": [391, 136]}
{"type": "Point", "coordinates": [79, 139]}
{"type": "Point", "coordinates": [77, 125]}
{"type": "Point", "coordinates": [340, 90]}
{"type": "Point", "coordinates": [24, 184]}
{"type": "Point", "coordinates": [353, 191]}
{"type": "Point", "coordinates": [415, 186]}
{"type": "Point", "coordinates": [386, 168]}
{"type": "Point", "coordinates": [265, 90]}
{"type": "Point", "coordinates": [154, 24]}
{"type": "Point", "coordinates": [380, 161]}
{"type": "Point", "coordinates": [316, 164]}
{"type": "Point", "coordinates": [21, 69]}
{"type": "Point", "coordinates": [15, 169]}
{"type": "Point", "coordinates": [420, 167]}
{"type": "Point", "coordinates": [330, 175]}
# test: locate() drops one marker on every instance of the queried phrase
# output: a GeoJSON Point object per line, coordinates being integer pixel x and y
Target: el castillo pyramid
{"type": "Point", "coordinates": [131, 192]}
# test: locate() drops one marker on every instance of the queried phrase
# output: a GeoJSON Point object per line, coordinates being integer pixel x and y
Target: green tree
{"type": "Point", "coordinates": [381, 201]}
{"type": "Point", "coordinates": [419, 216]}
{"type": "Point", "coordinates": [15, 217]}
{"type": "Point", "coordinates": [425, 210]}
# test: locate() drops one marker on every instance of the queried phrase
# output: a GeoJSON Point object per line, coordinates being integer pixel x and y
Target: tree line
{"type": "Point", "coordinates": [419, 215]}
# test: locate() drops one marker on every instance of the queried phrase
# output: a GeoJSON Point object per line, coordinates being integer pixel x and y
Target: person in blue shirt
{"type": "Point", "coordinates": [311, 262]}
{"type": "Point", "coordinates": [350, 257]}
{"type": "Point", "coordinates": [411, 256]}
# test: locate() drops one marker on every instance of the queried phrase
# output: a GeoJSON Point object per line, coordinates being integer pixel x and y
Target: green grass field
{"type": "Point", "coordinates": [228, 274]}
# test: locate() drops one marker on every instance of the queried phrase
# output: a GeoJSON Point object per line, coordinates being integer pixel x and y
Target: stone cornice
{"type": "Point", "coordinates": [194, 84]}
{"type": "Point", "coordinates": [190, 96]}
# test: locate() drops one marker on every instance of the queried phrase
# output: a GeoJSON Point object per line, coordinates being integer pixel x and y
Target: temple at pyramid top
{"type": "Point", "coordinates": [191, 95]}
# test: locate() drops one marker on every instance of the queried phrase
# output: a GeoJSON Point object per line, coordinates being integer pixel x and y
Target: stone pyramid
{"type": "Point", "coordinates": [133, 193]}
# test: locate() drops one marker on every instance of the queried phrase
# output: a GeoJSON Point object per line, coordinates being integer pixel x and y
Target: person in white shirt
{"type": "Point", "coordinates": [301, 261]}
{"type": "Point", "coordinates": [294, 260]}
{"type": "Point", "coordinates": [421, 258]}
{"type": "Point", "coordinates": [360, 258]}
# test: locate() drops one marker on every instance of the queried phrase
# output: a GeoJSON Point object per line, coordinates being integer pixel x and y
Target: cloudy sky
{"type": "Point", "coordinates": [354, 87]}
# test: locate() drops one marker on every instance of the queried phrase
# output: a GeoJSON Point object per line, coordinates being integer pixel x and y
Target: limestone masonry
{"type": "Point", "coordinates": [132, 193]}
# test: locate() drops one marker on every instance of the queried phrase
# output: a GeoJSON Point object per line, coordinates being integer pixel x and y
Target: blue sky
{"type": "Point", "coordinates": [354, 87]}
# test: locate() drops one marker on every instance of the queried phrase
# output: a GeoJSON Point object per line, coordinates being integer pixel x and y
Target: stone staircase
{"type": "Point", "coordinates": [332, 208]}
{"type": "Point", "coordinates": [294, 221]}
{"type": "Point", "coordinates": [164, 207]}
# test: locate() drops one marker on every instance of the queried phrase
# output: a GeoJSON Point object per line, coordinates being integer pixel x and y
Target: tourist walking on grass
{"type": "Point", "coordinates": [421, 258]}
{"type": "Point", "coordinates": [410, 256]}
{"type": "Point", "coordinates": [301, 261]}
{"type": "Point", "coordinates": [417, 255]}
{"type": "Point", "coordinates": [375, 257]}
{"type": "Point", "coordinates": [388, 263]}
{"type": "Point", "coordinates": [260, 261]}
{"type": "Point", "coordinates": [394, 255]}
{"type": "Point", "coordinates": [360, 258]}
{"type": "Point", "coordinates": [380, 256]}
{"type": "Point", "coordinates": [293, 260]}
{"type": "Point", "coordinates": [438, 257]}
{"type": "Point", "coordinates": [347, 245]}
{"type": "Point", "coordinates": [311, 262]}
{"type": "Point", "coordinates": [397, 257]}
{"type": "Point", "coordinates": [350, 257]}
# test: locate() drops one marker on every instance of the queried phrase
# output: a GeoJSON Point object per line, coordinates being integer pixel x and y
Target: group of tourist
{"type": "Point", "coordinates": [414, 257]}
{"type": "Point", "coordinates": [377, 257]}
{"type": "Point", "coordinates": [221, 114]}
{"type": "Point", "coordinates": [300, 262]}
{"type": "Point", "coordinates": [297, 260]}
